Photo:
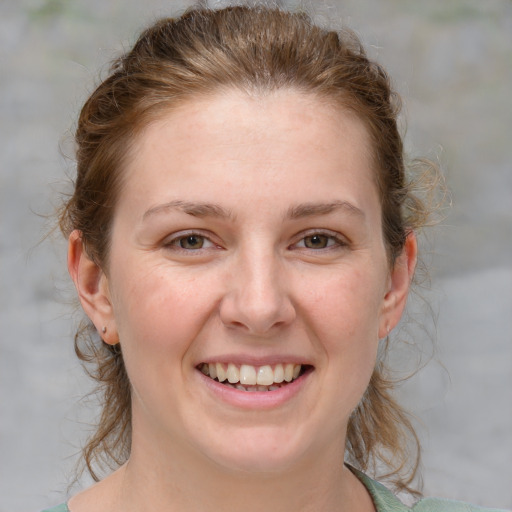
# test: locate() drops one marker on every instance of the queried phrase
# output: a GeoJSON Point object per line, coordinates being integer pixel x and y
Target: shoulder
{"type": "Point", "coordinates": [59, 508]}
{"type": "Point", "coordinates": [385, 501]}
{"type": "Point", "coordinates": [442, 505]}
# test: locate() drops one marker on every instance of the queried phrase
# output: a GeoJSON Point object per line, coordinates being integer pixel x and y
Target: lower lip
{"type": "Point", "coordinates": [256, 399]}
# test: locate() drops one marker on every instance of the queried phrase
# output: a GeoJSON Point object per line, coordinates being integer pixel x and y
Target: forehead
{"type": "Point", "coordinates": [287, 111]}
{"type": "Point", "coordinates": [237, 139]}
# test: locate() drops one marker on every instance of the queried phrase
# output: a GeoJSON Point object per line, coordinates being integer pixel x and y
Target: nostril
{"type": "Point", "coordinates": [257, 317]}
{"type": "Point", "coordinates": [237, 325]}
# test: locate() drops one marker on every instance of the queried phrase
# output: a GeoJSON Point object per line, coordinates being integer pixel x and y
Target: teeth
{"type": "Point", "coordinates": [288, 372]}
{"type": "Point", "coordinates": [266, 375]}
{"type": "Point", "coordinates": [251, 378]}
{"type": "Point", "coordinates": [254, 388]}
{"type": "Point", "coordinates": [221, 373]}
{"type": "Point", "coordinates": [278, 373]}
{"type": "Point", "coordinates": [248, 375]}
{"type": "Point", "coordinates": [233, 373]}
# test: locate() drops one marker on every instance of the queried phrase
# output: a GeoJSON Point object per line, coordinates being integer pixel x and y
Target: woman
{"type": "Point", "coordinates": [241, 237]}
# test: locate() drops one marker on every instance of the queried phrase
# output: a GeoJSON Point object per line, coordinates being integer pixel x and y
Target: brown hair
{"type": "Point", "coordinates": [252, 49]}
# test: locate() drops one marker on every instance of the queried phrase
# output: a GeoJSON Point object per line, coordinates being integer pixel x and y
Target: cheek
{"type": "Point", "coordinates": [161, 310]}
{"type": "Point", "coordinates": [347, 305]}
{"type": "Point", "coordinates": [344, 317]}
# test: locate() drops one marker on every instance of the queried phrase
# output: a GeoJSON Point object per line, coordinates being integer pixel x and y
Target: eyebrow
{"type": "Point", "coordinates": [194, 209]}
{"type": "Point", "coordinates": [312, 209]}
{"type": "Point", "coordinates": [214, 210]}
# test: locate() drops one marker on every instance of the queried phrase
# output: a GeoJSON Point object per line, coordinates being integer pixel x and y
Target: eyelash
{"type": "Point", "coordinates": [333, 242]}
{"type": "Point", "coordinates": [174, 242]}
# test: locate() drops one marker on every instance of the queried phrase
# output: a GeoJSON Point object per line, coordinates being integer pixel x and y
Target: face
{"type": "Point", "coordinates": [248, 282]}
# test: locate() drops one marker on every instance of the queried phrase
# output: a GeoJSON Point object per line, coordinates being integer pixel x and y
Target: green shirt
{"type": "Point", "coordinates": [385, 501]}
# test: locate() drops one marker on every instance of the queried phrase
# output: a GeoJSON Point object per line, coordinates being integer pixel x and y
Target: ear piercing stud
{"type": "Point", "coordinates": [104, 330]}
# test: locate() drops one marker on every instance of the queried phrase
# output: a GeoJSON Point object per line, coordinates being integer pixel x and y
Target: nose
{"type": "Point", "coordinates": [257, 299]}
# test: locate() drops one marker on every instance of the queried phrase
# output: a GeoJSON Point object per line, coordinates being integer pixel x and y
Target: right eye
{"type": "Point", "coordinates": [318, 241]}
{"type": "Point", "coordinates": [189, 242]}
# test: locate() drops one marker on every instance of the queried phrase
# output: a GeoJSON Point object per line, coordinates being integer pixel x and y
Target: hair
{"type": "Point", "coordinates": [256, 50]}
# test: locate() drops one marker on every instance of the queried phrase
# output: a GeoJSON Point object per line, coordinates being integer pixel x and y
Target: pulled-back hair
{"type": "Point", "coordinates": [256, 50]}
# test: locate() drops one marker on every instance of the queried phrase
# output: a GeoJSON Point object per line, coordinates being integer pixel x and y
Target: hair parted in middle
{"type": "Point", "coordinates": [256, 50]}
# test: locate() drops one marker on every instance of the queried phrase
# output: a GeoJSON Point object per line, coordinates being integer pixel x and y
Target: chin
{"type": "Point", "coordinates": [258, 453]}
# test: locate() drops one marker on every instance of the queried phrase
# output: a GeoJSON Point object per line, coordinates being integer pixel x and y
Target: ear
{"type": "Point", "coordinates": [398, 287]}
{"type": "Point", "coordinates": [92, 286]}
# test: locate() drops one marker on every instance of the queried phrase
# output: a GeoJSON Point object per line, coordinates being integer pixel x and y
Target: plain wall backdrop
{"type": "Point", "coordinates": [452, 63]}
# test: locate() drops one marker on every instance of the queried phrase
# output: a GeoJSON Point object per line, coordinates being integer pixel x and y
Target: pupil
{"type": "Point", "coordinates": [316, 241]}
{"type": "Point", "coordinates": [191, 242]}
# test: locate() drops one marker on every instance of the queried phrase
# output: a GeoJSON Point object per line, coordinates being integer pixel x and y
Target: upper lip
{"type": "Point", "coordinates": [252, 360]}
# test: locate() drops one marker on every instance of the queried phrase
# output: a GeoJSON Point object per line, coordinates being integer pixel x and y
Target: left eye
{"type": "Point", "coordinates": [192, 242]}
{"type": "Point", "coordinates": [317, 241]}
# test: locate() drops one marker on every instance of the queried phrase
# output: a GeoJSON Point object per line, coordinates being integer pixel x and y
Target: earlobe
{"type": "Point", "coordinates": [399, 283]}
{"type": "Point", "coordinates": [92, 287]}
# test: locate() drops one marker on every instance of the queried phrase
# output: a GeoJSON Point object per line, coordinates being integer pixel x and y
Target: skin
{"type": "Point", "coordinates": [256, 291]}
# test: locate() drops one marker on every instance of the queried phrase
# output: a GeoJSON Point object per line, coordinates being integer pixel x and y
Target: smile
{"type": "Point", "coordinates": [246, 377]}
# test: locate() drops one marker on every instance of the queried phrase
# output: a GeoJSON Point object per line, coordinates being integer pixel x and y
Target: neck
{"type": "Point", "coordinates": [181, 480]}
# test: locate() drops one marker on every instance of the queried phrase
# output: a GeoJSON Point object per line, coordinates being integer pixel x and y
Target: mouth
{"type": "Point", "coordinates": [249, 378]}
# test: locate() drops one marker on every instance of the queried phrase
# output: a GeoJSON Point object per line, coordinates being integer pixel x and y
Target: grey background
{"type": "Point", "coordinates": [452, 62]}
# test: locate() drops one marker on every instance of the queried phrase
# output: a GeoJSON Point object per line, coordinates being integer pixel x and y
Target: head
{"type": "Point", "coordinates": [258, 54]}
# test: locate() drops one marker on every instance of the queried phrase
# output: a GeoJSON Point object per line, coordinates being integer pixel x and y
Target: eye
{"type": "Point", "coordinates": [189, 242]}
{"type": "Point", "coordinates": [319, 241]}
